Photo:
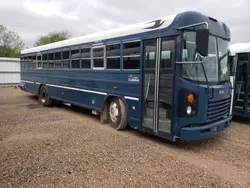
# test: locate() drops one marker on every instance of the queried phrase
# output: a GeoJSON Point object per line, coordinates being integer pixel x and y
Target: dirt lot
{"type": "Point", "coordinates": [68, 147]}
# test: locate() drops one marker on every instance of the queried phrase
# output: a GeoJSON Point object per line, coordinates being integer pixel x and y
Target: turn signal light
{"type": "Point", "coordinates": [190, 98]}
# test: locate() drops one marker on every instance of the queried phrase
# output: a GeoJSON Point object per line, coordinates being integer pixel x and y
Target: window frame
{"type": "Point", "coordinates": [46, 60]}
{"type": "Point", "coordinates": [41, 60]}
{"type": "Point", "coordinates": [114, 57]}
{"type": "Point", "coordinates": [69, 59]}
{"type": "Point", "coordinates": [50, 61]}
{"type": "Point", "coordinates": [90, 56]}
{"type": "Point", "coordinates": [104, 57]}
{"type": "Point", "coordinates": [79, 58]}
{"type": "Point", "coordinates": [141, 48]}
{"type": "Point", "coordinates": [57, 60]}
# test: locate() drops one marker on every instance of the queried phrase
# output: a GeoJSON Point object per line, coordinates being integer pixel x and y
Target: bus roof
{"type": "Point", "coordinates": [239, 48]}
{"type": "Point", "coordinates": [172, 22]}
{"type": "Point", "coordinates": [113, 33]}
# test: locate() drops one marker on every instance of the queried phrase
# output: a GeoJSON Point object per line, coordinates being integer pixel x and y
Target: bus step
{"type": "Point", "coordinates": [150, 113]}
{"type": "Point", "coordinates": [243, 93]}
{"type": "Point", "coordinates": [148, 122]}
{"type": "Point", "coordinates": [164, 124]}
{"type": "Point", "coordinates": [239, 100]}
{"type": "Point", "coordinates": [239, 107]}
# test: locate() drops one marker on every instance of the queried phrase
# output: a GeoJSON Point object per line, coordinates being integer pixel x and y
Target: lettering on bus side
{"type": "Point", "coordinates": [133, 78]}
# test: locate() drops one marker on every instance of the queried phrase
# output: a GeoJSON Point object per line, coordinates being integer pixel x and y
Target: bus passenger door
{"type": "Point", "coordinates": [159, 56]}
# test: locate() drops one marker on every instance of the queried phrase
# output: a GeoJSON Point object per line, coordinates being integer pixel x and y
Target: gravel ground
{"type": "Point", "coordinates": [68, 147]}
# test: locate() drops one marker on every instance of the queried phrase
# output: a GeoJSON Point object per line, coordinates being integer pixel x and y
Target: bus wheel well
{"type": "Point", "coordinates": [104, 113]}
{"type": "Point", "coordinates": [41, 85]}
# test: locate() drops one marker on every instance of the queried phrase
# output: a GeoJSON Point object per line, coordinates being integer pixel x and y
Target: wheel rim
{"type": "Point", "coordinates": [43, 96]}
{"type": "Point", "coordinates": [113, 111]}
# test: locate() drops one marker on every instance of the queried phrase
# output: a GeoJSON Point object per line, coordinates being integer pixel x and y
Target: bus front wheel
{"type": "Point", "coordinates": [44, 97]}
{"type": "Point", "coordinates": [117, 114]}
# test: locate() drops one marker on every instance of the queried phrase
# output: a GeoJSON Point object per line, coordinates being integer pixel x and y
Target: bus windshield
{"type": "Point", "coordinates": [215, 64]}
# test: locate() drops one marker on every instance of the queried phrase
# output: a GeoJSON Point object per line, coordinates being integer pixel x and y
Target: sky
{"type": "Point", "coordinates": [34, 18]}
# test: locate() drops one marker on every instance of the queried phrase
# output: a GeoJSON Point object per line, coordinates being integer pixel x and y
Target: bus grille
{"type": "Point", "coordinates": [218, 109]}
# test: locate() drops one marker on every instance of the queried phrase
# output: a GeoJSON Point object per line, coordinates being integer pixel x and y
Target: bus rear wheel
{"type": "Point", "coordinates": [43, 97]}
{"type": "Point", "coordinates": [117, 114]}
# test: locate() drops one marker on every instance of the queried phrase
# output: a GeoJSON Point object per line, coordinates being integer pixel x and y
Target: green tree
{"type": "Point", "coordinates": [10, 43]}
{"type": "Point", "coordinates": [52, 37]}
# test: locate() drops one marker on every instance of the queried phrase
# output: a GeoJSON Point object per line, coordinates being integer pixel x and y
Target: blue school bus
{"type": "Point", "coordinates": [240, 78]}
{"type": "Point", "coordinates": [168, 76]}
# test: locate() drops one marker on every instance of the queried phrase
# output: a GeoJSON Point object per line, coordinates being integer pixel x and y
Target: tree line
{"type": "Point", "coordinates": [11, 43]}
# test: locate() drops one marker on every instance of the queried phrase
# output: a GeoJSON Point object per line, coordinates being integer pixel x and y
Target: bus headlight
{"type": "Point", "coordinates": [189, 110]}
{"type": "Point", "coordinates": [188, 103]}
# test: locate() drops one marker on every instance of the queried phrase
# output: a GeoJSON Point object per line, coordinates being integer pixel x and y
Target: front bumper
{"type": "Point", "coordinates": [206, 131]}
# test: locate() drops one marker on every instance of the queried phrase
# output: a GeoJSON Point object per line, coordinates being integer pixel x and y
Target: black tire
{"type": "Point", "coordinates": [117, 114]}
{"type": "Point", "coordinates": [43, 97]}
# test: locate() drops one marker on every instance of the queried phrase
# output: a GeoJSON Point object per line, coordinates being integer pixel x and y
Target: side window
{"type": "Point", "coordinates": [25, 62]}
{"type": "Point", "coordinates": [131, 55]}
{"type": "Point", "coordinates": [45, 60]}
{"type": "Point", "coordinates": [66, 58]}
{"type": "Point", "coordinates": [29, 61]}
{"type": "Point", "coordinates": [113, 56]}
{"type": "Point", "coordinates": [51, 60]}
{"type": "Point", "coordinates": [86, 58]}
{"type": "Point", "coordinates": [75, 58]}
{"type": "Point", "coordinates": [22, 60]}
{"type": "Point", "coordinates": [58, 59]}
{"type": "Point", "coordinates": [98, 58]}
{"type": "Point", "coordinates": [38, 63]}
{"type": "Point", "coordinates": [33, 62]}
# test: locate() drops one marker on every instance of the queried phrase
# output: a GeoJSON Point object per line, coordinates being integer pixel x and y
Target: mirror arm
{"type": "Point", "coordinates": [193, 25]}
{"type": "Point", "coordinates": [204, 72]}
{"type": "Point", "coordinates": [197, 62]}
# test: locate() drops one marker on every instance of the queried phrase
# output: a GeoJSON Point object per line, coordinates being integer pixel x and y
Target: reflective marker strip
{"type": "Point", "coordinates": [90, 91]}
{"type": "Point", "coordinates": [77, 89]}
{"type": "Point", "coordinates": [27, 81]}
{"type": "Point", "coordinates": [38, 83]}
{"type": "Point", "coordinates": [132, 98]}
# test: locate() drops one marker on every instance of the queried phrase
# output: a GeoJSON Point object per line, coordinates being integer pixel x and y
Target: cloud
{"type": "Point", "coordinates": [50, 9]}
{"type": "Point", "coordinates": [33, 18]}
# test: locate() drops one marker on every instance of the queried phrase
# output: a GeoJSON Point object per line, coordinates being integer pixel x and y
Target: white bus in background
{"type": "Point", "coordinates": [240, 78]}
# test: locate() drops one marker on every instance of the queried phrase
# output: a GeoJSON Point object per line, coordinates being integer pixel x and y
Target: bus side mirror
{"type": "Point", "coordinates": [202, 37]}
